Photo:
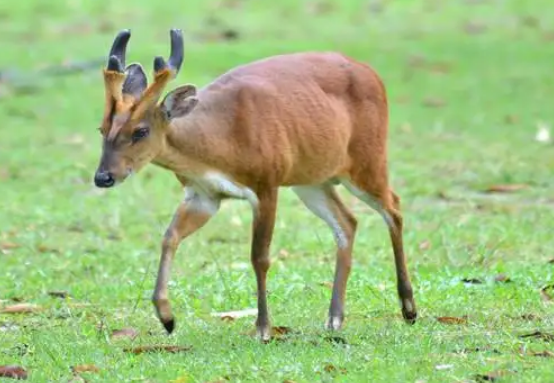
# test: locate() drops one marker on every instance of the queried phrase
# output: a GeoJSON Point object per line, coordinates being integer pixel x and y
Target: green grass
{"type": "Point", "coordinates": [495, 84]}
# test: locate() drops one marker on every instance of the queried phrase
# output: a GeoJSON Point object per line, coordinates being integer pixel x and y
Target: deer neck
{"type": "Point", "coordinates": [188, 149]}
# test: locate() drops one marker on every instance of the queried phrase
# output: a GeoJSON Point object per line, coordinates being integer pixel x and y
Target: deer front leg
{"type": "Point", "coordinates": [264, 221]}
{"type": "Point", "coordinates": [192, 214]}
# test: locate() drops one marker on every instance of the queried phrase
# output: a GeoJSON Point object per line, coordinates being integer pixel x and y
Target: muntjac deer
{"type": "Point", "coordinates": [306, 120]}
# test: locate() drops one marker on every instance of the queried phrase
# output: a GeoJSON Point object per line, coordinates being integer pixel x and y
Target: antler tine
{"type": "Point", "coordinates": [176, 56]}
{"type": "Point", "coordinates": [116, 60]}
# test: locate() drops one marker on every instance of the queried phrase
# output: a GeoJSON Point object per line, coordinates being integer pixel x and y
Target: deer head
{"type": "Point", "coordinates": [134, 126]}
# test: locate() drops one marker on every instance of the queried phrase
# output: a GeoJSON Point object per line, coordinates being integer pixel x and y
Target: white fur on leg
{"type": "Point", "coordinates": [368, 199]}
{"type": "Point", "coordinates": [315, 199]}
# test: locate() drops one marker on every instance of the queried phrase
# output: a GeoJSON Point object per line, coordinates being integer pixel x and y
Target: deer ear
{"type": "Point", "coordinates": [135, 81]}
{"type": "Point", "coordinates": [179, 102]}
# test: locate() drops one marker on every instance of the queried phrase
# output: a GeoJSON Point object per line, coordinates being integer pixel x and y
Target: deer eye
{"type": "Point", "coordinates": [139, 134]}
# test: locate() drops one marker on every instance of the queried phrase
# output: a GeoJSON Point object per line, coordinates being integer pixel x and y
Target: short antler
{"type": "Point", "coordinates": [116, 58]}
{"type": "Point", "coordinates": [163, 73]}
{"type": "Point", "coordinates": [176, 56]}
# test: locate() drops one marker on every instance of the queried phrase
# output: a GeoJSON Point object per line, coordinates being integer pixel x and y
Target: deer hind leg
{"type": "Point", "coordinates": [384, 201]}
{"type": "Point", "coordinates": [323, 201]}
{"type": "Point", "coordinates": [191, 215]}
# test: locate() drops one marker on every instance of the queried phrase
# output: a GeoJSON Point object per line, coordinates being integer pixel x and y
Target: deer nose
{"type": "Point", "coordinates": [104, 179]}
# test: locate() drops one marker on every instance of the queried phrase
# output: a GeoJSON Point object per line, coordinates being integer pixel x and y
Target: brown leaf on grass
{"type": "Point", "coordinates": [278, 331]}
{"type": "Point", "coordinates": [4, 173]}
{"type": "Point", "coordinates": [452, 320]}
{"type": "Point", "coordinates": [492, 376]}
{"type": "Point", "coordinates": [8, 245]}
{"type": "Point", "coordinates": [506, 188]}
{"type": "Point", "coordinates": [417, 61]}
{"type": "Point", "coordinates": [511, 119]}
{"type": "Point", "coordinates": [84, 368]}
{"type": "Point", "coordinates": [157, 348]}
{"type": "Point", "coordinates": [284, 254]}
{"type": "Point", "coordinates": [440, 67]}
{"type": "Point", "coordinates": [58, 294]}
{"type": "Point", "coordinates": [479, 349]}
{"type": "Point", "coordinates": [403, 100]}
{"type": "Point", "coordinates": [320, 7]}
{"type": "Point", "coordinates": [474, 28]}
{"type": "Point", "coordinates": [472, 281]}
{"type": "Point", "coordinates": [424, 245]}
{"type": "Point", "coordinates": [544, 354]}
{"type": "Point", "coordinates": [545, 293]}
{"type": "Point", "coordinates": [434, 102]}
{"type": "Point", "coordinates": [548, 36]}
{"type": "Point", "coordinates": [539, 335]}
{"type": "Point", "coordinates": [14, 372]}
{"type": "Point", "coordinates": [128, 332]}
{"type": "Point", "coordinates": [335, 339]}
{"type": "Point", "coordinates": [529, 317]}
{"type": "Point", "coordinates": [232, 315]}
{"type": "Point", "coordinates": [328, 284]}
{"type": "Point", "coordinates": [17, 299]}
{"type": "Point", "coordinates": [332, 369]}
{"type": "Point", "coordinates": [47, 249]}
{"type": "Point", "coordinates": [502, 278]}
{"type": "Point", "coordinates": [20, 308]}
{"type": "Point", "coordinates": [530, 21]}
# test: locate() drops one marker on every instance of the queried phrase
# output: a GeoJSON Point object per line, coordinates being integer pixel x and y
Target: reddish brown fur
{"type": "Point", "coordinates": [298, 119]}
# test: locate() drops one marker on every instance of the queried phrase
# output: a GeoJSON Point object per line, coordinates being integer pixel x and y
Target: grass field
{"type": "Point", "coordinates": [468, 82]}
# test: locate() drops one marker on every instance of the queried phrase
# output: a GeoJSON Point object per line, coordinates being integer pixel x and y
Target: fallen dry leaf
{"type": "Point", "coordinates": [548, 36]}
{"type": "Point", "coordinates": [452, 320]}
{"type": "Point", "coordinates": [8, 245]}
{"type": "Point", "coordinates": [544, 354]}
{"type": "Point", "coordinates": [332, 369]}
{"type": "Point", "coordinates": [539, 335]}
{"type": "Point", "coordinates": [425, 245]}
{"type": "Point", "coordinates": [502, 278]}
{"type": "Point", "coordinates": [232, 315]}
{"type": "Point", "coordinates": [545, 293]}
{"type": "Point", "coordinates": [474, 28]}
{"type": "Point", "coordinates": [157, 348]}
{"type": "Point", "coordinates": [530, 21]}
{"type": "Point", "coordinates": [434, 102]}
{"type": "Point", "coordinates": [320, 7]}
{"type": "Point", "coordinates": [511, 119]}
{"type": "Point", "coordinates": [507, 188]}
{"type": "Point", "coordinates": [84, 368]}
{"type": "Point", "coordinates": [14, 372]}
{"type": "Point", "coordinates": [20, 308]}
{"type": "Point", "coordinates": [336, 339]}
{"type": "Point", "coordinates": [128, 332]}
{"type": "Point", "coordinates": [440, 67]}
{"type": "Point", "coordinates": [479, 349]}
{"type": "Point", "coordinates": [59, 294]}
{"type": "Point", "coordinates": [492, 376]}
{"type": "Point", "coordinates": [326, 284]}
{"type": "Point", "coordinates": [47, 249]}
{"type": "Point", "coordinates": [280, 330]}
